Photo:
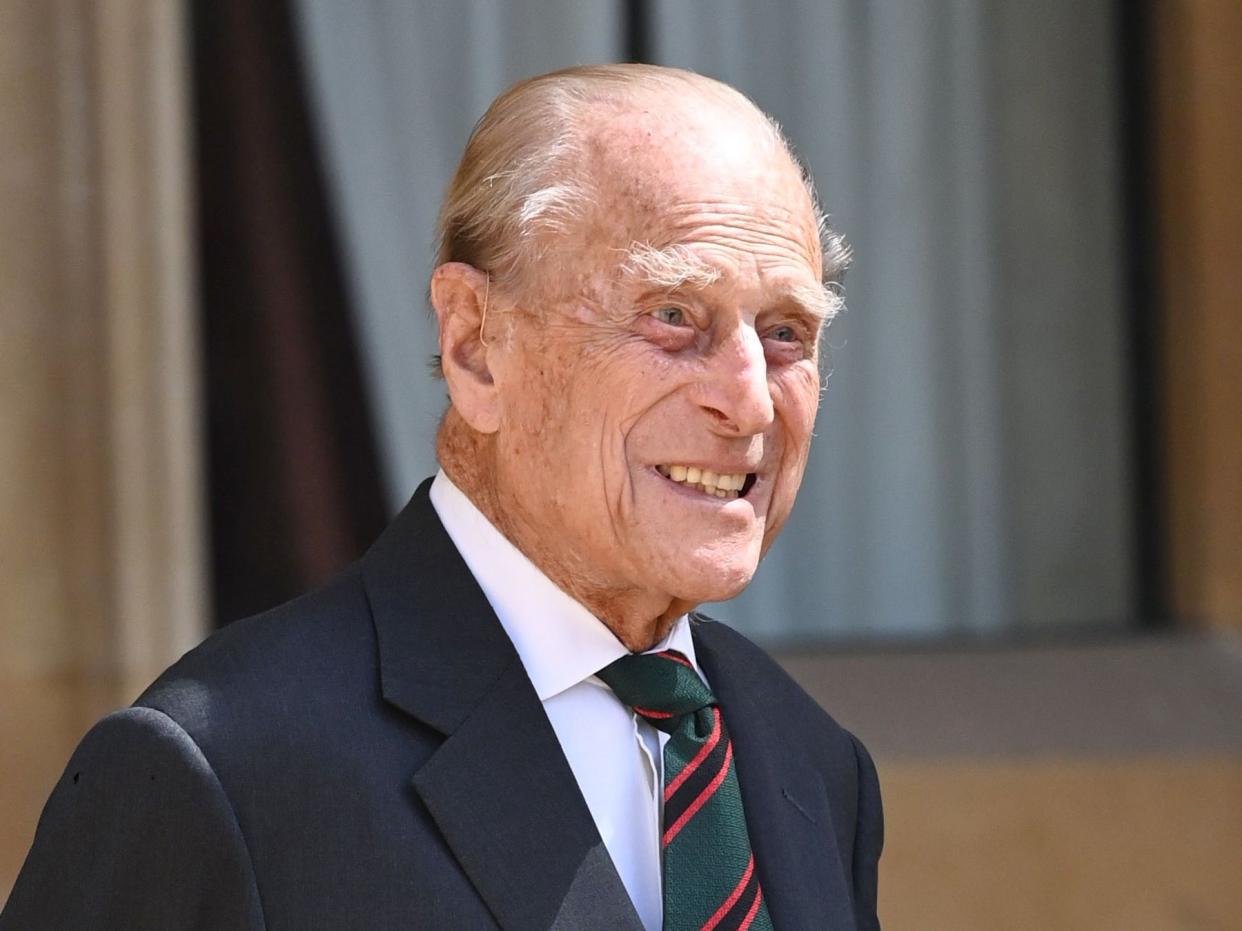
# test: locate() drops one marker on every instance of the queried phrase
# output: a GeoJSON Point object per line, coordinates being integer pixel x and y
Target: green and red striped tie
{"type": "Point", "coordinates": [710, 881]}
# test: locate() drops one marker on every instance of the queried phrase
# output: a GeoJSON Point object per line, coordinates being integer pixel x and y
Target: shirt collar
{"type": "Point", "coordinates": [559, 641]}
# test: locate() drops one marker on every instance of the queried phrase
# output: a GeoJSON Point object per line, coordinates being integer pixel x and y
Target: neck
{"type": "Point", "coordinates": [639, 619]}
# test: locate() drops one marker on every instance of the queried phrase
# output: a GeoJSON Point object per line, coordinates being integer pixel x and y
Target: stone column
{"type": "Point", "coordinates": [102, 536]}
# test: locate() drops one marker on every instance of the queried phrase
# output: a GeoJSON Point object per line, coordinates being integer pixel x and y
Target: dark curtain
{"type": "Point", "coordinates": [294, 483]}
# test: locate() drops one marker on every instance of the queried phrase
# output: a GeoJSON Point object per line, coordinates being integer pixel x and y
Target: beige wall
{"type": "Point", "coordinates": [1066, 844]}
{"type": "Point", "coordinates": [101, 533]}
{"type": "Point", "coordinates": [1199, 163]}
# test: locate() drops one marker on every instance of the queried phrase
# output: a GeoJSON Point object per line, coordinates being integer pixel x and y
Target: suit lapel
{"type": "Point", "coordinates": [500, 790]}
{"type": "Point", "coordinates": [786, 807]}
{"type": "Point", "coordinates": [499, 786]}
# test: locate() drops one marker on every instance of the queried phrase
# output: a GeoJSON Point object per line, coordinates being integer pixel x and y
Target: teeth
{"type": "Point", "coordinates": [716, 484]}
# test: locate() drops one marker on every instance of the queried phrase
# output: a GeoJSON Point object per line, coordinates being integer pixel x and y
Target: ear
{"type": "Point", "coordinates": [460, 294]}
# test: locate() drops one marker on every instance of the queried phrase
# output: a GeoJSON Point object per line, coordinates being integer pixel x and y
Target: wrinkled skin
{"type": "Point", "coordinates": [590, 378]}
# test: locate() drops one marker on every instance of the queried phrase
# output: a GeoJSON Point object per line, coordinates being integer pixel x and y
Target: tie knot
{"type": "Point", "coordinates": [662, 687]}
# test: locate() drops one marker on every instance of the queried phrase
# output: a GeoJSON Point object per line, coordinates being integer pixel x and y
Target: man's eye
{"type": "Point", "coordinates": [784, 334]}
{"type": "Point", "coordinates": [673, 316]}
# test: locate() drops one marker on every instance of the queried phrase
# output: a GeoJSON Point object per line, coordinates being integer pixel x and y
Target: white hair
{"type": "Point", "coordinates": [522, 178]}
{"type": "Point", "coordinates": [672, 267]}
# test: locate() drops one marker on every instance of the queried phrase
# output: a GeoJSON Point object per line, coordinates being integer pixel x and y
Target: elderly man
{"type": "Point", "coordinates": [507, 714]}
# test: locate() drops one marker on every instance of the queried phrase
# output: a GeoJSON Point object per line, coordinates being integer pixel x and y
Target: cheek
{"type": "Point", "coordinates": [575, 415]}
{"type": "Point", "coordinates": [795, 397]}
{"type": "Point", "coordinates": [547, 382]}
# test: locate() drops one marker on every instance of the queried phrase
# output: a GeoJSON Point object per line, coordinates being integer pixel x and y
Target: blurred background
{"type": "Point", "coordinates": [1016, 566]}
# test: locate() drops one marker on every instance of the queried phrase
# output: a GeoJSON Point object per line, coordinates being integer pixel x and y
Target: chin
{"type": "Point", "coordinates": [716, 581]}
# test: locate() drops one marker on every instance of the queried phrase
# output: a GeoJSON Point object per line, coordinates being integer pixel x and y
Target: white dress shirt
{"type": "Point", "coordinates": [616, 757]}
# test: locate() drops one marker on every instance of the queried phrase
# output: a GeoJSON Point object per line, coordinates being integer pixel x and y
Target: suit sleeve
{"type": "Point", "coordinates": [138, 834]}
{"type": "Point", "coordinates": [868, 840]}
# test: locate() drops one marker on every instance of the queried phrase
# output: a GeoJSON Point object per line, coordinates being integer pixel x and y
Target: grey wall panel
{"type": "Point", "coordinates": [970, 473]}
{"type": "Point", "coordinates": [396, 88]}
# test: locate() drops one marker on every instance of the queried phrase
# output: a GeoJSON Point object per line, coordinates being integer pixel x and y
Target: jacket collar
{"type": "Point", "coordinates": [441, 649]}
{"type": "Point", "coordinates": [499, 786]}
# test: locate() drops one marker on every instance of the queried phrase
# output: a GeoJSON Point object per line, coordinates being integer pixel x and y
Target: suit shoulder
{"type": "Point", "coordinates": [248, 672]}
{"type": "Point", "coordinates": [134, 777]}
{"type": "Point", "coordinates": [776, 690]}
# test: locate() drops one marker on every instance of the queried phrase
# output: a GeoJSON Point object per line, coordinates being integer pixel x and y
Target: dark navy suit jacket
{"type": "Point", "coordinates": [373, 756]}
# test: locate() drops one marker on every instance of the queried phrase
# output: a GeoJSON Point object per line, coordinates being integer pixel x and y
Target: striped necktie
{"type": "Point", "coordinates": [710, 881]}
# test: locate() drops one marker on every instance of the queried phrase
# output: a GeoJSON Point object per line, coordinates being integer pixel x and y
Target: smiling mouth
{"type": "Point", "coordinates": [715, 484]}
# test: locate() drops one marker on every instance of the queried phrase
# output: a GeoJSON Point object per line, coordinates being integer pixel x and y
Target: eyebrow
{"type": "Point", "coordinates": [676, 266]}
{"type": "Point", "coordinates": [672, 267]}
{"type": "Point", "coordinates": [821, 301]}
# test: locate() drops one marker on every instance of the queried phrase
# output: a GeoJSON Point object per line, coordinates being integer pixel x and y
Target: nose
{"type": "Point", "coordinates": [734, 389]}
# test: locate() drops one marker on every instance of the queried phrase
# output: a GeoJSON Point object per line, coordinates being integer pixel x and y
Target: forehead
{"type": "Point", "coordinates": [709, 174]}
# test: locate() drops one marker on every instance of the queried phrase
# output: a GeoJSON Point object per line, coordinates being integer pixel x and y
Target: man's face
{"type": "Point", "coordinates": [623, 385]}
